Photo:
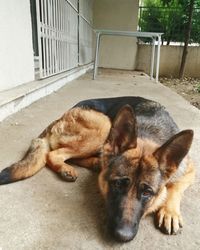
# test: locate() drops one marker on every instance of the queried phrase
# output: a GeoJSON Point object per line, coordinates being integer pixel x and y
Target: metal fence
{"type": "Point", "coordinates": [61, 26]}
{"type": "Point", "coordinates": [170, 21]}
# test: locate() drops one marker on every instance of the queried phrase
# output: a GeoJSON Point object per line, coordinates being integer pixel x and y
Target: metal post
{"type": "Point", "coordinates": [49, 34]}
{"type": "Point", "coordinates": [158, 58]}
{"type": "Point", "coordinates": [43, 39]}
{"type": "Point", "coordinates": [46, 37]}
{"type": "Point", "coordinates": [96, 56]}
{"type": "Point", "coordinates": [39, 27]}
{"type": "Point", "coordinates": [152, 58]}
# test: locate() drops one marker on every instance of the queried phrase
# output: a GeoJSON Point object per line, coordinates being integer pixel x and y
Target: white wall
{"type": "Point", "coordinates": [117, 52]}
{"type": "Point", "coordinates": [16, 51]}
{"type": "Point", "coordinates": [170, 60]}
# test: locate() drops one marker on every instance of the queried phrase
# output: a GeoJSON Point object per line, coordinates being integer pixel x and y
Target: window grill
{"type": "Point", "coordinates": [62, 36]}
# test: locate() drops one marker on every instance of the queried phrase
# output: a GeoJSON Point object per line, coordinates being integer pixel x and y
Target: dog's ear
{"type": "Point", "coordinates": [171, 153]}
{"type": "Point", "coordinates": [123, 134]}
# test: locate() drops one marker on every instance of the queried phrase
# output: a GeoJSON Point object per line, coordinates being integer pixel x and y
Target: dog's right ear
{"type": "Point", "coordinates": [123, 134]}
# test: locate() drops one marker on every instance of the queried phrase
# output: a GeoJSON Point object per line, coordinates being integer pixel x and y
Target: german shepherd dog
{"type": "Point", "coordinates": [144, 166]}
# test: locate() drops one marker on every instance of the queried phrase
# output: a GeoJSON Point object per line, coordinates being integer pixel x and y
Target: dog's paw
{"type": "Point", "coordinates": [169, 221]}
{"type": "Point", "coordinates": [69, 175]}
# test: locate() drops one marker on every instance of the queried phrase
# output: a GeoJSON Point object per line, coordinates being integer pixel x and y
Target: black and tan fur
{"type": "Point", "coordinates": [143, 159]}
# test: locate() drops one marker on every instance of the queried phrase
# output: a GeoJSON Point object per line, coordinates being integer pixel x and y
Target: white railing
{"type": "Point", "coordinates": [64, 35]}
{"type": "Point", "coordinates": [57, 23]}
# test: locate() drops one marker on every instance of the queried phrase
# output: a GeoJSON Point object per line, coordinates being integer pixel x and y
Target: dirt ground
{"type": "Point", "coordinates": [189, 88]}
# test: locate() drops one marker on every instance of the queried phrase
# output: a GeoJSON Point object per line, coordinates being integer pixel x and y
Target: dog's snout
{"type": "Point", "coordinates": [125, 233]}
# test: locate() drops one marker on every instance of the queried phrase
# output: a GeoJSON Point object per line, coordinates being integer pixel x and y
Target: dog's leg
{"type": "Point", "coordinates": [91, 163]}
{"type": "Point", "coordinates": [56, 161]}
{"type": "Point", "coordinates": [169, 218]}
{"type": "Point", "coordinates": [80, 133]}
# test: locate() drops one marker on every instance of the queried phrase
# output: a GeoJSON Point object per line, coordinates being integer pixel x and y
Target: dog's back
{"type": "Point", "coordinates": [154, 122]}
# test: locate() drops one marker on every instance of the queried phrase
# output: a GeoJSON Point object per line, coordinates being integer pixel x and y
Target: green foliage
{"type": "Point", "coordinates": [170, 17]}
{"type": "Point", "coordinates": [195, 32]}
{"type": "Point", "coordinates": [198, 88]}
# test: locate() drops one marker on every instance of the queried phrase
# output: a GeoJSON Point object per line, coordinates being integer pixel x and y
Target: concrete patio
{"type": "Point", "coordinates": [45, 212]}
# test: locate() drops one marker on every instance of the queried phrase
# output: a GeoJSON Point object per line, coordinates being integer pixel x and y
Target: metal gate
{"type": "Point", "coordinates": [60, 31]}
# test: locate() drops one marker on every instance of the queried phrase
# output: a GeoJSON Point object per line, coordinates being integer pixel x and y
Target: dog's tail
{"type": "Point", "coordinates": [31, 163]}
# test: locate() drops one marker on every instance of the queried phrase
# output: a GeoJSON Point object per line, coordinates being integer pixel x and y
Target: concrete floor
{"type": "Point", "coordinates": [45, 212]}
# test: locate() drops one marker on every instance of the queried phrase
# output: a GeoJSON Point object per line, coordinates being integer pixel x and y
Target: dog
{"type": "Point", "coordinates": [143, 159]}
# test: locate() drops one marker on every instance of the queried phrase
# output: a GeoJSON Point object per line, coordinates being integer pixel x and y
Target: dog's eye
{"type": "Point", "coordinates": [146, 191]}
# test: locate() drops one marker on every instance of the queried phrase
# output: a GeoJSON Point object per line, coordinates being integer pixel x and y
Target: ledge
{"type": "Point", "coordinates": [14, 99]}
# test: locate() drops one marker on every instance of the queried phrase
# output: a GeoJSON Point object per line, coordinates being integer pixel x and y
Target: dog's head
{"type": "Point", "coordinates": [135, 171]}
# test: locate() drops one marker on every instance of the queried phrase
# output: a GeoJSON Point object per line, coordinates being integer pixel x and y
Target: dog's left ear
{"type": "Point", "coordinates": [123, 134]}
{"type": "Point", "coordinates": [171, 153]}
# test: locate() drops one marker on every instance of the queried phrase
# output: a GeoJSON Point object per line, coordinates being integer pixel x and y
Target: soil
{"type": "Point", "coordinates": [189, 88]}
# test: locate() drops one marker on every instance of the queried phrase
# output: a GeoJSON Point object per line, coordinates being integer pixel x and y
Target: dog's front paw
{"type": "Point", "coordinates": [169, 221]}
{"type": "Point", "coordinates": [68, 174]}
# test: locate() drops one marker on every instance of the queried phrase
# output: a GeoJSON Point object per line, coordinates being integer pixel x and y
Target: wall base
{"type": "Point", "coordinates": [20, 97]}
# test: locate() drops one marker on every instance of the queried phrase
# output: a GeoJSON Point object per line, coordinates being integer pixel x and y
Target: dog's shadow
{"type": "Point", "coordinates": [94, 204]}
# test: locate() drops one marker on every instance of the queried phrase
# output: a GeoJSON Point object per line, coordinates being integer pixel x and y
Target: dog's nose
{"type": "Point", "coordinates": [125, 233]}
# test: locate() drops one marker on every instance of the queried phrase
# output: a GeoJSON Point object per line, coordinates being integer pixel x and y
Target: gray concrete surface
{"type": "Point", "coordinates": [44, 212]}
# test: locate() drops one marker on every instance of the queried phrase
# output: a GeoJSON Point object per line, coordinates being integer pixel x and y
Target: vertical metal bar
{"type": "Point", "coordinates": [68, 36]}
{"type": "Point", "coordinates": [64, 37]}
{"type": "Point", "coordinates": [49, 34]}
{"type": "Point", "coordinates": [75, 40]}
{"type": "Point", "coordinates": [158, 58]}
{"type": "Point", "coordinates": [59, 33]}
{"type": "Point", "coordinates": [39, 27]}
{"type": "Point", "coordinates": [70, 41]}
{"type": "Point", "coordinates": [51, 16]}
{"type": "Point", "coordinates": [61, 36]}
{"type": "Point", "coordinates": [46, 37]}
{"type": "Point", "coordinates": [56, 34]}
{"type": "Point", "coordinates": [78, 31]}
{"type": "Point", "coordinates": [62, 32]}
{"type": "Point", "coordinates": [60, 55]}
{"type": "Point", "coordinates": [53, 35]}
{"type": "Point", "coordinates": [43, 38]}
{"type": "Point", "coordinates": [49, 29]}
{"type": "Point", "coordinates": [152, 58]}
{"type": "Point", "coordinates": [96, 55]}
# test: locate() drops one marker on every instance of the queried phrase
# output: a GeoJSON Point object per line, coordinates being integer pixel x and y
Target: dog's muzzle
{"type": "Point", "coordinates": [126, 232]}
